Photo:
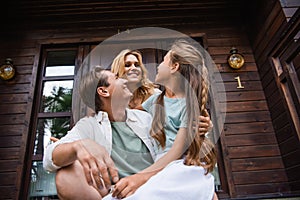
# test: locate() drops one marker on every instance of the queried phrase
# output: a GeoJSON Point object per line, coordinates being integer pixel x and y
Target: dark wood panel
{"type": "Point", "coordinates": [244, 96]}
{"type": "Point", "coordinates": [262, 116]}
{"type": "Point", "coordinates": [8, 192]}
{"type": "Point", "coordinates": [13, 109]}
{"type": "Point", "coordinates": [18, 52]}
{"type": "Point", "coordinates": [269, 77]}
{"type": "Point", "coordinates": [271, 89]}
{"type": "Point", "coordinates": [249, 61]}
{"type": "Point", "coordinates": [10, 130]}
{"type": "Point", "coordinates": [277, 109]}
{"type": "Point", "coordinates": [255, 164]}
{"type": "Point", "coordinates": [281, 121]}
{"type": "Point", "coordinates": [251, 139]}
{"type": "Point", "coordinates": [9, 153]}
{"type": "Point", "coordinates": [221, 50]}
{"type": "Point", "coordinates": [13, 98]}
{"type": "Point", "coordinates": [292, 159]}
{"type": "Point", "coordinates": [269, 34]}
{"type": "Point", "coordinates": [10, 141]}
{"type": "Point", "coordinates": [8, 165]}
{"type": "Point", "coordinates": [274, 98]}
{"type": "Point", "coordinates": [228, 42]}
{"type": "Point", "coordinates": [274, 188]}
{"type": "Point", "coordinates": [23, 69]}
{"type": "Point", "coordinates": [284, 133]}
{"type": "Point", "coordinates": [248, 86]}
{"type": "Point", "coordinates": [295, 186]}
{"type": "Point", "coordinates": [249, 76]}
{"type": "Point", "coordinates": [21, 78]}
{"type": "Point", "coordinates": [12, 119]}
{"type": "Point", "coordinates": [223, 66]}
{"type": "Point", "coordinates": [294, 173]}
{"type": "Point", "coordinates": [254, 127]}
{"type": "Point", "coordinates": [253, 151]}
{"type": "Point", "coordinates": [7, 178]}
{"type": "Point", "coordinates": [246, 106]}
{"type": "Point", "coordinates": [11, 88]}
{"type": "Point", "coordinates": [290, 145]}
{"type": "Point", "coordinates": [24, 60]}
{"type": "Point", "coordinates": [255, 177]}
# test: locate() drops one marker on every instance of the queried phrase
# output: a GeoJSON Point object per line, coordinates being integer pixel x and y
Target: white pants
{"type": "Point", "coordinates": [177, 182]}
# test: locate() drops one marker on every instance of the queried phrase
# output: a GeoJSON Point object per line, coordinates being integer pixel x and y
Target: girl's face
{"type": "Point", "coordinates": [164, 70]}
{"type": "Point", "coordinates": [133, 72]}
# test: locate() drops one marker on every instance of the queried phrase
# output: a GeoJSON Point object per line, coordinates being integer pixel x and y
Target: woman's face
{"type": "Point", "coordinates": [133, 71]}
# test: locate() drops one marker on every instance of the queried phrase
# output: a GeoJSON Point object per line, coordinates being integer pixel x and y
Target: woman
{"type": "Point", "coordinates": [129, 65]}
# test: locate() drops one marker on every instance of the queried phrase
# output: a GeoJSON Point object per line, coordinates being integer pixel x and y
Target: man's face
{"type": "Point", "coordinates": [118, 88]}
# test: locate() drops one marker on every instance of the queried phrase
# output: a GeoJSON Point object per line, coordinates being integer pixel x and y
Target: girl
{"type": "Point", "coordinates": [184, 75]}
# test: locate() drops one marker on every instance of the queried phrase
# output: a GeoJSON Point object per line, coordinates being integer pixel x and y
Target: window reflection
{"type": "Point", "coordinates": [57, 96]}
{"type": "Point", "coordinates": [59, 71]}
{"type": "Point", "coordinates": [49, 129]}
{"type": "Point", "coordinates": [42, 182]}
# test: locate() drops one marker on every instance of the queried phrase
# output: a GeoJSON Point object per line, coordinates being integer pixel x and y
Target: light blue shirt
{"type": "Point", "coordinates": [175, 111]}
{"type": "Point", "coordinates": [129, 152]}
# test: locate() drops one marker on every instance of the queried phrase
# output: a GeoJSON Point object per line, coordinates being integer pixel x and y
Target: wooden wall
{"type": "Point", "coordinates": [252, 160]}
{"type": "Point", "coordinates": [268, 37]}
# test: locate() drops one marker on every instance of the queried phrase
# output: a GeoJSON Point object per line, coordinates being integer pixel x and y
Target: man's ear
{"type": "Point", "coordinates": [102, 91]}
{"type": "Point", "coordinates": [175, 67]}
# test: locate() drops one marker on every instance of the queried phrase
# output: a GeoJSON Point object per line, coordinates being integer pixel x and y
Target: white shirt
{"type": "Point", "coordinates": [98, 128]}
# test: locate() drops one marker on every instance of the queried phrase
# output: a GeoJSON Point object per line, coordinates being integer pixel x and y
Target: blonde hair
{"type": "Point", "coordinates": [146, 89]}
{"type": "Point", "coordinates": [195, 83]}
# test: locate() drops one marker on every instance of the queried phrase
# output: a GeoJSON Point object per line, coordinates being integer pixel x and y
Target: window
{"type": "Point", "coordinates": [53, 114]}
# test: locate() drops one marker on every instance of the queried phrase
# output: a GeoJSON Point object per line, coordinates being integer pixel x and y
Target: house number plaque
{"type": "Point", "coordinates": [240, 86]}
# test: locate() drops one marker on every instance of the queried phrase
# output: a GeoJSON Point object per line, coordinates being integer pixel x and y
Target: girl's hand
{"type": "Point", "coordinates": [128, 185]}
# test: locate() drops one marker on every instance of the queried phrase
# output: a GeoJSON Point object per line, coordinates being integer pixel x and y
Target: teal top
{"type": "Point", "coordinates": [175, 111]}
{"type": "Point", "coordinates": [129, 152]}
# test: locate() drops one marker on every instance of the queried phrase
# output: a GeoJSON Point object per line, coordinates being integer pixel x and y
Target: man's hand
{"type": "Point", "coordinates": [128, 185]}
{"type": "Point", "coordinates": [203, 126]}
{"type": "Point", "coordinates": [96, 163]}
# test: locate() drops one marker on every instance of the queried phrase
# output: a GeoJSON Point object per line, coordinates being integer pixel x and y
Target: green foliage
{"type": "Point", "coordinates": [60, 100]}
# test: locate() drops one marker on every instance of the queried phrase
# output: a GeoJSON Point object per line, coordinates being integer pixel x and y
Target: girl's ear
{"type": "Point", "coordinates": [102, 91]}
{"type": "Point", "coordinates": [175, 67]}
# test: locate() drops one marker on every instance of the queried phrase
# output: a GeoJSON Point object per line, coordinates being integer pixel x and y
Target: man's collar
{"type": "Point", "coordinates": [102, 116]}
{"type": "Point", "coordinates": [130, 115]}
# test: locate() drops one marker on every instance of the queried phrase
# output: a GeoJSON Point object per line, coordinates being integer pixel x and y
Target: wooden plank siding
{"type": "Point", "coordinates": [267, 43]}
{"type": "Point", "coordinates": [253, 162]}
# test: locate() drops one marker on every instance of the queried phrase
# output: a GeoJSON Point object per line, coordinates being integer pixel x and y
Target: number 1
{"type": "Point", "coordinates": [239, 82]}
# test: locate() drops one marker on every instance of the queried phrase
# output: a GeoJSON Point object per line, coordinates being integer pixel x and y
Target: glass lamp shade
{"type": "Point", "coordinates": [7, 71]}
{"type": "Point", "coordinates": [235, 60]}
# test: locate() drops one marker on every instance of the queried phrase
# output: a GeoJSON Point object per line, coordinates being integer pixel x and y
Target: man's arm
{"type": "Point", "coordinates": [94, 159]}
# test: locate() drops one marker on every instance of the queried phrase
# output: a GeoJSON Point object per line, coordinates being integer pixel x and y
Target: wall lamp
{"type": "Point", "coordinates": [7, 70]}
{"type": "Point", "coordinates": [235, 59]}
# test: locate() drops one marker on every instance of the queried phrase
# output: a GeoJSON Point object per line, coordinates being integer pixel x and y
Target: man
{"type": "Point", "coordinates": [98, 148]}
{"type": "Point", "coordinates": [89, 144]}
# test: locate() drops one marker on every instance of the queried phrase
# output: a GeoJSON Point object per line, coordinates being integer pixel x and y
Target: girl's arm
{"type": "Point", "coordinates": [130, 184]}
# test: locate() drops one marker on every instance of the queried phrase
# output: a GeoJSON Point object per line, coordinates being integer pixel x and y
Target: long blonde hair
{"type": "Point", "coordinates": [201, 150]}
{"type": "Point", "coordinates": [146, 89]}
